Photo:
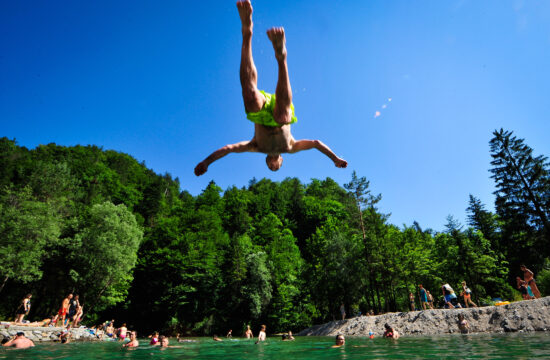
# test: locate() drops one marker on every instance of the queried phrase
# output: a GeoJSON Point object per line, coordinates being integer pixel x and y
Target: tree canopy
{"type": "Point", "coordinates": [136, 247]}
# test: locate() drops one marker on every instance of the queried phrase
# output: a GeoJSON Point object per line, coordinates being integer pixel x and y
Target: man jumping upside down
{"type": "Point", "coordinates": [272, 113]}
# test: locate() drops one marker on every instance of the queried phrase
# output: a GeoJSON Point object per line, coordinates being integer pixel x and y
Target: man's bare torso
{"type": "Point", "coordinates": [22, 343]}
{"type": "Point", "coordinates": [527, 275]}
{"type": "Point", "coordinates": [272, 140]}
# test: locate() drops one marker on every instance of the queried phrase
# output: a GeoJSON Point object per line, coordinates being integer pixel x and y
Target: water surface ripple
{"type": "Point", "coordinates": [477, 346]}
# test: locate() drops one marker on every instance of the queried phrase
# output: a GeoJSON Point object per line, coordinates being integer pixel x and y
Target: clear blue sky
{"type": "Point", "coordinates": [159, 80]}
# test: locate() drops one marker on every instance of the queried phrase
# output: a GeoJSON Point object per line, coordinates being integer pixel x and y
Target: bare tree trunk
{"type": "Point", "coordinates": [4, 283]}
{"type": "Point", "coordinates": [98, 296]}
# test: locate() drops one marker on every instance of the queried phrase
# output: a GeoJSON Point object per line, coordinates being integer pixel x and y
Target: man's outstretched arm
{"type": "Point", "coordinates": [318, 144]}
{"type": "Point", "coordinates": [242, 146]}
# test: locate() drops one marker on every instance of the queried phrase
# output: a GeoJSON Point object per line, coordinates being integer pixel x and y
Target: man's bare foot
{"type": "Point", "coordinates": [245, 12]}
{"type": "Point", "coordinates": [277, 37]}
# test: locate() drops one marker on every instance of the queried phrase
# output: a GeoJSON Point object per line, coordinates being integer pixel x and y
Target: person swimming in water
{"type": "Point", "coordinates": [272, 114]}
{"type": "Point", "coordinates": [340, 341]}
{"type": "Point", "coordinates": [463, 325]}
{"type": "Point", "coordinates": [248, 333]}
{"type": "Point", "coordinates": [261, 335]}
{"type": "Point", "coordinates": [133, 340]}
{"type": "Point", "coordinates": [154, 338]}
{"type": "Point", "coordinates": [390, 332]}
{"type": "Point", "coordinates": [19, 341]}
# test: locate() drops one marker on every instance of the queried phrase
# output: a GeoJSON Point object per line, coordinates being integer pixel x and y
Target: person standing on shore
{"type": "Point", "coordinates": [430, 299]}
{"type": "Point", "coordinates": [73, 306]}
{"type": "Point", "coordinates": [411, 301]}
{"type": "Point", "coordinates": [343, 311]}
{"type": "Point", "coordinates": [23, 309]}
{"type": "Point", "coordinates": [466, 293]}
{"type": "Point", "coordinates": [64, 308]}
{"type": "Point", "coordinates": [424, 297]}
{"type": "Point", "coordinates": [529, 278]}
{"type": "Point", "coordinates": [78, 315]}
{"type": "Point", "coordinates": [448, 294]}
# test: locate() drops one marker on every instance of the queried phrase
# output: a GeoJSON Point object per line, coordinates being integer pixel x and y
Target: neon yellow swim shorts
{"type": "Point", "coordinates": [265, 115]}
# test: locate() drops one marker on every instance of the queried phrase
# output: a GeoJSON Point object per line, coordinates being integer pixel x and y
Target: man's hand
{"type": "Point", "coordinates": [341, 163]}
{"type": "Point", "coordinates": [301, 145]}
{"type": "Point", "coordinates": [201, 168]}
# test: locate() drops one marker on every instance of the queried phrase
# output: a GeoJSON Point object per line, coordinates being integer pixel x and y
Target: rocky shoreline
{"type": "Point", "coordinates": [521, 316]}
{"type": "Point", "coordinates": [42, 334]}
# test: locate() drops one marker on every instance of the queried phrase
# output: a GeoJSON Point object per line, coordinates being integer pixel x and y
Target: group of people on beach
{"type": "Point", "coordinates": [449, 299]}
{"type": "Point", "coordinates": [527, 286]}
{"type": "Point", "coordinates": [70, 312]}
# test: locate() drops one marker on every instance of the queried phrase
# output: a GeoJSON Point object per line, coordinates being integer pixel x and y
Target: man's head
{"type": "Point", "coordinates": [420, 286]}
{"type": "Point", "coordinates": [70, 296]}
{"type": "Point", "coordinates": [164, 342]}
{"type": "Point", "coordinates": [20, 334]}
{"type": "Point", "coordinates": [522, 267]}
{"type": "Point", "coordinates": [274, 162]}
{"type": "Point", "coordinates": [340, 340]}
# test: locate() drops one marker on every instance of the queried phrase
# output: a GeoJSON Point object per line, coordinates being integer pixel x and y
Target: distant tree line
{"type": "Point", "coordinates": [138, 249]}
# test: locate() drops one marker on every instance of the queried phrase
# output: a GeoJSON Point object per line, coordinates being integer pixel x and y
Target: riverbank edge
{"type": "Point", "coordinates": [45, 334]}
{"type": "Point", "coordinates": [521, 316]}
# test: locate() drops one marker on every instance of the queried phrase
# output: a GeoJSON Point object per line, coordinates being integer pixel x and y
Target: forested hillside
{"type": "Point", "coordinates": [138, 249]}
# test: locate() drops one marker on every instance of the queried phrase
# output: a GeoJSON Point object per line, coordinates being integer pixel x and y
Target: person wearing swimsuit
{"type": "Point", "coordinates": [272, 114]}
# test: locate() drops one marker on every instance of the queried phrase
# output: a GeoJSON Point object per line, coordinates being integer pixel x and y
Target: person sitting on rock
{"type": "Point", "coordinates": [65, 335]}
{"type": "Point", "coordinates": [522, 287]}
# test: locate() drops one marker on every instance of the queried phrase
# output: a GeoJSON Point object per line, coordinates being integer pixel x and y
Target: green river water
{"type": "Point", "coordinates": [477, 346]}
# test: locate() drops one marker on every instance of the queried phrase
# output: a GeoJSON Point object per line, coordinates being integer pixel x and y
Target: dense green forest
{"type": "Point", "coordinates": [138, 249]}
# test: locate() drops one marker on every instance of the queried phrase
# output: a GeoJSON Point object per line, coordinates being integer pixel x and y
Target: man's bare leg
{"type": "Point", "coordinates": [282, 112]}
{"type": "Point", "coordinates": [253, 99]}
